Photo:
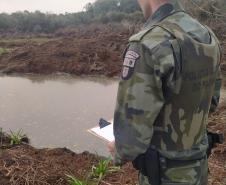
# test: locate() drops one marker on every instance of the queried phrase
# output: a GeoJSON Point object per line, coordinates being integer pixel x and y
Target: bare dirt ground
{"type": "Point", "coordinates": [24, 164]}
{"type": "Point", "coordinates": [217, 161]}
{"type": "Point", "coordinates": [86, 50]}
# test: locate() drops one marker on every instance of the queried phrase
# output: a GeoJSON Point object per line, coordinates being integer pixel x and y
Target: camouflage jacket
{"type": "Point", "coordinates": [156, 105]}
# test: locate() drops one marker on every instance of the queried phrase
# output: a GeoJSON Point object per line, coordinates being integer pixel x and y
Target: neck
{"type": "Point", "coordinates": [155, 5]}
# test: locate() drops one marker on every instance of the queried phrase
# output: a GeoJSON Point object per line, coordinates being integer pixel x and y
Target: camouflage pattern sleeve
{"type": "Point", "coordinates": [218, 83]}
{"type": "Point", "coordinates": [216, 96]}
{"type": "Point", "coordinates": [140, 97]}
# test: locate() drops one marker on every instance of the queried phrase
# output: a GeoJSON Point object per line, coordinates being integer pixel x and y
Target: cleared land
{"type": "Point", "coordinates": [85, 50]}
{"type": "Point", "coordinates": [90, 50]}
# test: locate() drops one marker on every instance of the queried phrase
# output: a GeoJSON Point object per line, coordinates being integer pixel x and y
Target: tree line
{"type": "Point", "coordinates": [103, 11]}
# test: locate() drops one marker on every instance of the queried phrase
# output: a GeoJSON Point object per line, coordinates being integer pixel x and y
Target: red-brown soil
{"type": "Point", "coordinates": [84, 50]}
{"type": "Point", "coordinates": [87, 50]}
{"type": "Point", "coordinates": [217, 161]}
{"type": "Point", "coordinates": [23, 164]}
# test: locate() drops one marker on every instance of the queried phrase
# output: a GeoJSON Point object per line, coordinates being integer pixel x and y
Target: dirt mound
{"type": "Point", "coordinates": [97, 30]}
{"type": "Point", "coordinates": [88, 50]}
{"type": "Point", "coordinates": [78, 51]}
{"type": "Point", "coordinates": [26, 165]}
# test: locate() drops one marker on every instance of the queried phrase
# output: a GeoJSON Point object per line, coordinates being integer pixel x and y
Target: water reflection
{"type": "Point", "coordinates": [56, 111]}
{"type": "Point", "coordinates": [65, 78]}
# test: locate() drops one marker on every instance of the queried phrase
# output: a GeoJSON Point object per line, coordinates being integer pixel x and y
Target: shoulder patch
{"type": "Point", "coordinates": [129, 64]}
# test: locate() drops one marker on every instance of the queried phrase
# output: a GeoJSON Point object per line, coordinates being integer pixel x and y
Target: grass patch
{"type": "Point", "coordinates": [100, 170]}
{"type": "Point", "coordinates": [32, 39]}
{"type": "Point", "coordinates": [74, 181]}
{"type": "Point", "coordinates": [3, 51]}
{"type": "Point", "coordinates": [16, 138]}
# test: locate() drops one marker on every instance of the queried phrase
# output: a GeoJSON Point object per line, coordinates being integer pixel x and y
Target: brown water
{"type": "Point", "coordinates": [57, 111]}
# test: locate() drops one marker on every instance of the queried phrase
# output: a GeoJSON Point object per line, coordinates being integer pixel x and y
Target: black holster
{"type": "Point", "coordinates": [149, 165]}
{"type": "Point", "coordinates": [214, 138]}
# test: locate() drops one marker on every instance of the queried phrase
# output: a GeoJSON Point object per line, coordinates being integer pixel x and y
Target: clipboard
{"type": "Point", "coordinates": [104, 132]}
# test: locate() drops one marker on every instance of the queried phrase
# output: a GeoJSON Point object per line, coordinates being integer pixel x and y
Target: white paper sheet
{"type": "Point", "coordinates": [105, 133]}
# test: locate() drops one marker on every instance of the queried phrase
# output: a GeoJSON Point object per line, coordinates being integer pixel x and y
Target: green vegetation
{"type": "Point", "coordinates": [74, 181]}
{"type": "Point", "coordinates": [3, 51]}
{"type": "Point", "coordinates": [103, 11]}
{"type": "Point", "coordinates": [98, 172]}
{"type": "Point", "coordinates": [102, 169]}
{"type": "Point", "coordinates": [16, 138]}
{"type": "Point", "coordinates": [100, 11]}
{"type": "Point", "coordinates": [31, 39]}
{"type": "Point", "coordinates": [206, 9]}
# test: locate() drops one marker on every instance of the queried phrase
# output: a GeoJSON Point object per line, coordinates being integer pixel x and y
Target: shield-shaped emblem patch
{"type": "Point", "coordinates": [129, 64]}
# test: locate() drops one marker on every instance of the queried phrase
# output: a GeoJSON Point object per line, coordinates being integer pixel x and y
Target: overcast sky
{"type": "Point", "coordinates": [53, 6]}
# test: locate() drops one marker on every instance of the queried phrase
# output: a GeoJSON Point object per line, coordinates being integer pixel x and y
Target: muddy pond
{"type": "Point", "coordinates": [57, 111]}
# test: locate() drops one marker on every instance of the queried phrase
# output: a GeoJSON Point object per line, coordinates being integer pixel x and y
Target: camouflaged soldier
{"type": "Point", "coordinates": [168, 78]}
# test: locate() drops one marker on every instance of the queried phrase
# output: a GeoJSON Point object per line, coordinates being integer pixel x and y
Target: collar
{"type": "Point", "coordinates": [161, 13]}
